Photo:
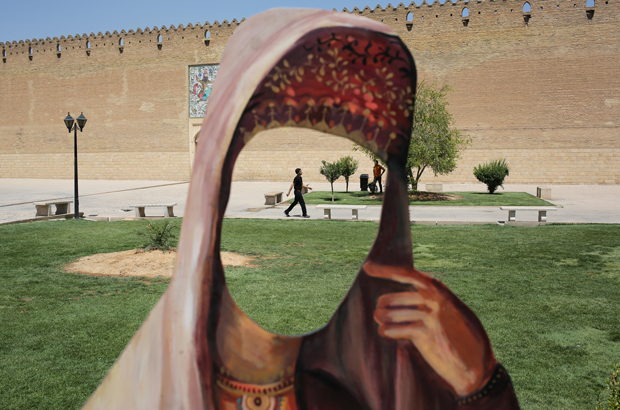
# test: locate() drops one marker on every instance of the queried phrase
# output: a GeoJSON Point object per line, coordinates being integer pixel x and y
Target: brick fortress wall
{"type": "Point", "coordinates": [134, 95]}
{"type": "Point", "coordinates": [544, 93]}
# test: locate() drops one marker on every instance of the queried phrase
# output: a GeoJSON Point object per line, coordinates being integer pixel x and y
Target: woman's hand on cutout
{"type": "Point", "coordinates": [443, 329]}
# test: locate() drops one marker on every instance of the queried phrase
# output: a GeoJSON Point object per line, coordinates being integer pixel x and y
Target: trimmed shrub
{"type": "Point", "coordinates": [159, 236]}
{"type": "Point", "coordinates": [492, 174]}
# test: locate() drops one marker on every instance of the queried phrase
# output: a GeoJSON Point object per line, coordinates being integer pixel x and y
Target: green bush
{"type": "Point", "coordinates": [492, 174]}
{"type": "Point", "coordinates": [612, 391]}
{"type": "Point", "coordinates": [159, 235]}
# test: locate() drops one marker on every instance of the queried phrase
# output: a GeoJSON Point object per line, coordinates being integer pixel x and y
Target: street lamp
{"type": "Point", "coordinates": [81, 122]}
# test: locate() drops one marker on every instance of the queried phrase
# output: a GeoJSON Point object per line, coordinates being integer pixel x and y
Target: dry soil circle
{"type": "Point", "coordinates": [141, 263]}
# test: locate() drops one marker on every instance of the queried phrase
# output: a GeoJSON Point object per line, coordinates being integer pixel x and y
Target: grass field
{"type": "Point", "coordinates": [548, 297]}
{"type": "Point", "coordinates": [469, 199]}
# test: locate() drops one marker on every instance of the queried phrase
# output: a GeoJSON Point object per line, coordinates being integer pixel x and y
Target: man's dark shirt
{"type": "Point", "coordinates": [297, 183]}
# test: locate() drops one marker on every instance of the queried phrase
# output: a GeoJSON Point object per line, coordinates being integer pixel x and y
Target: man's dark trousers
{"type": "Point", "coordinates": [298, 199]}
{"type": "Point", "coordinates": [378, 180]}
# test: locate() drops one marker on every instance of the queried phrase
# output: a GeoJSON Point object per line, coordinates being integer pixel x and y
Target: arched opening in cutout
{"type": "Point", "coordinates": [159, 38]}
{"type": "Point", "coordinates": [88, 44]}
{"type": "Point", "coordinates": [590, 3]}
{"type": "Point", "coordinates": [527, 7]}
{"type": "Point", "coordinates": [290, 94]}
{"type": "Point", "coordinates": [207, 34]}
{"type": "Point", "coordinates": [121, 42]}
{"type": "Point", "coordinates": [410, 16]}
{"type": "Point", "coordinates": [58, 48]}
{"type": "Point", "coordinates": [465, 12]}
{"type": "Point", "coordinates": [290, 275]}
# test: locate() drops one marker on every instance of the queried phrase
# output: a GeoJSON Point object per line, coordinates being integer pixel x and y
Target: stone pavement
{"type": "Point", "coordinates": [108, 200]}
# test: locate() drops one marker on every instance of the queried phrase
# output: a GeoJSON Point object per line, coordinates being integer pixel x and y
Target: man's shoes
{"type": "Point", "coordinates": [286, 213]}
{"type": "Point", "coordinates": [305, 216]}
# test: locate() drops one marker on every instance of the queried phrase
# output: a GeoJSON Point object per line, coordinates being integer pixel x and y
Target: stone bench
{"type": "Point", "coordinates": [327, 210]}
{"type": "Point", "coordinates": [434, 187]}
{"type": "Point", "coordinates": [167, 212]}
{"type": "Point", "coordinates": [44, 208]}
{"type": "Point", "coordinates": [273, 197]}
{"type": "Point", "coordinates": [543, 192]}
{"type": "Point", "coordinates": [542, 211]}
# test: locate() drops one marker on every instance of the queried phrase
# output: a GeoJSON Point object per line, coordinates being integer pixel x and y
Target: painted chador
{"type": "Point", "coordinates": [399, 339]}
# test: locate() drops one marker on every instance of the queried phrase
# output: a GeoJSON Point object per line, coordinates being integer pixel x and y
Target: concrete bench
{"type": "Point", "coordinates": [327, 210]}
{"type": "Point", "coordinates": [273, 197]}
{"type": "Point", "coordinates": [140, 209]}
{"type": "Point", "coordinates": [44, 208]}
{"type": "Point", "coordinates": [542, 211]}
{"type": "Point", "coordinates": [543, 192]}
{"type": "Point", "coordinates": [434, 187]}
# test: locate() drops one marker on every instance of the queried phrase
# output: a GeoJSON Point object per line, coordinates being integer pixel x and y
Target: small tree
{"type": "Point", "coordinates": [435, 142]}
{"type": "Point", "coordinates": [348, 166]}
{"type": "Point", "coordinates": [492, 174]}
{"type": "Point", "coordinates": [331, 171]}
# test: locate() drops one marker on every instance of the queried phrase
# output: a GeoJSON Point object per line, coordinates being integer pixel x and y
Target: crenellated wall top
{"type": "Point", "coordinates": [214, 27]}
{"type": "Point", "coordinates": [400, 11]}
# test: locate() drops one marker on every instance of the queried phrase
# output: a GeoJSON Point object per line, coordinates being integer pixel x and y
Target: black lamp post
{"type": "Point", "coordinates": [81, 122]}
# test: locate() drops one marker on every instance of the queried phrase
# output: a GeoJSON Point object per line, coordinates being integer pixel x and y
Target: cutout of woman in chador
{"type": "Point", "coordinates": [399, 339]}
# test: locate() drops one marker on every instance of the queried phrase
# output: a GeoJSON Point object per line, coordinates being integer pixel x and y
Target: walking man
{"type": "Point", "coordinates": [297, 184]}
{"type": "Point", "coordinates": [378, 171]}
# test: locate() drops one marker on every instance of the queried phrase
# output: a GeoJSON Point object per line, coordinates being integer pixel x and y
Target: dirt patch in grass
{"type": "Point", "coordinates": [424, 196]}
{"type": "Point", "coordinates": [149, 264]}
{"type": "Point", "coordinates": [433, 196]}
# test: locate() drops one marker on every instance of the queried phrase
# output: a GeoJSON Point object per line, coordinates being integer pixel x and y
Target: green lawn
{"type": "Point", "coordinates": [469, 199]}
{"type": "Point", "coordinates": [548, 297]}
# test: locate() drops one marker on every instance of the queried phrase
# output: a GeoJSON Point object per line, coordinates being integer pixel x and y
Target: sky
{"type": "Point", "coordinates": [37, 19]}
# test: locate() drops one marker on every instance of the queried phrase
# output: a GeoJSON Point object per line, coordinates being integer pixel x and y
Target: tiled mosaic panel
{"type": "Point", "coordinates": [201, 80]}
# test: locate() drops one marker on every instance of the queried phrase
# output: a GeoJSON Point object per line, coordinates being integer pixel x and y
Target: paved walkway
{"type": "Point", "coordinates": [102, 199]}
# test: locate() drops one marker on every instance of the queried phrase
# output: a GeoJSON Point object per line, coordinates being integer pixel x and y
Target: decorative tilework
{"type": "Point", "coordinates": [201, 80]}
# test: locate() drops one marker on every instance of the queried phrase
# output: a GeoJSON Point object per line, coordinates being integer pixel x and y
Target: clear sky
{"type": "Point", "coordinates": [37, 19]}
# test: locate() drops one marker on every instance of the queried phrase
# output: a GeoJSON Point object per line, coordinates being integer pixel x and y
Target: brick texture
{"type": "Point", "coordinates": [545, 94]}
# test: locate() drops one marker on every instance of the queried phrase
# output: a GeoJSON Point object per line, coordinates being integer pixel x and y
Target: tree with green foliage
{"type": "Point", "coordinates": [348, 166]}
{"type": "Point", "coordinates": [492, 174]}
{"type": "Point", "coordinates": [435, 141]}
{"type": "Point", "coordinates": [331, 171]}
